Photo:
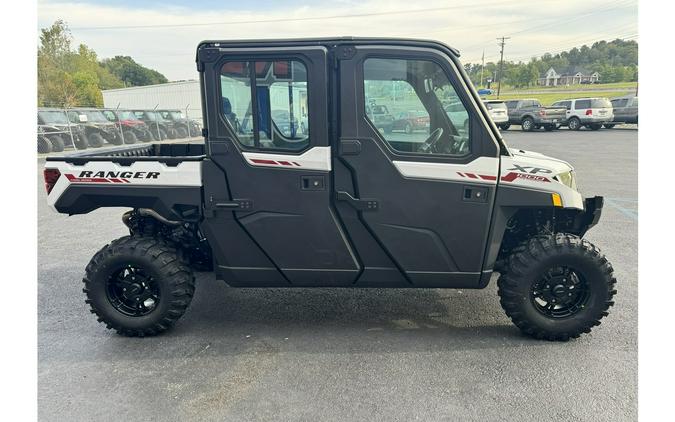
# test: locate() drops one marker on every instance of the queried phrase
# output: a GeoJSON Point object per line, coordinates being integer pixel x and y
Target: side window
{"type": "Point", "coordinates": [511, 104]}
{"type": "Point", "coordinates": [620, 102]}
{"type": "Point", "coordinates": [635, 102]}
{"type": "Point", "coordinates": [277, 90]}
{"type": "Point", "coordinates": [435, 122]}
{"type": "Point", "coordinates": [582, 104]}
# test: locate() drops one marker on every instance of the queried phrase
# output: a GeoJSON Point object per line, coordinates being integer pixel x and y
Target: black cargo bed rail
{"type": "Point", "coordinates": [169, 154]}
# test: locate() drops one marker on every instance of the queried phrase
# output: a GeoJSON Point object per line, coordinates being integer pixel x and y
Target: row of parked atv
{"type": "Point", "coordinates": [82, 128]}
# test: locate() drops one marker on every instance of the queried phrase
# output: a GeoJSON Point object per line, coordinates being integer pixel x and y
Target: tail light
{"type": "Point", "coordinates": [51, 177]}
{"type": "Point", "coordinates": [589, 112]}
{"type": "Point", "coordinates": [542, 112]}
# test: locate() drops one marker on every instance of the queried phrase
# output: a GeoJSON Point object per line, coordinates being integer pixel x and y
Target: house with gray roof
{"type": "Point", "coordinates": [570, 76]}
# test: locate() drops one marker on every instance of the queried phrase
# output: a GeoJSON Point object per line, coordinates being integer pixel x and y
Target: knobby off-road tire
{"type": "Point", "coordinates": [130, 137]}
{"type": "Point", "coordinates": [58, 145]}
{"type": "Point", "coordinates": [44, 145]}
{"type": "Point", "coordinates": [95, 140]}
{"type": "Point", "coordinates": [527, 290]}
{"type": "Point", "coordinates": [139, 286]}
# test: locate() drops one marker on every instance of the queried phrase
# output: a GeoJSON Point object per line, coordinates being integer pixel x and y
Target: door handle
{"type": "Point", "coordinates": [358, 204]}
{"type": "Point", "coordinates": [237, 204]}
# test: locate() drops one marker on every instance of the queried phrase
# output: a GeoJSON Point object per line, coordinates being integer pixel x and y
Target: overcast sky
{"type": "Point", "coordinates": [163, 34]}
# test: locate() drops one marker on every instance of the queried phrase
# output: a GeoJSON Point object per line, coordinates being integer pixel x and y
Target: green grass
{"type": "Point", "coordinates": [578, 87]}
{"type": "Point", "coordinates": [550, 98]}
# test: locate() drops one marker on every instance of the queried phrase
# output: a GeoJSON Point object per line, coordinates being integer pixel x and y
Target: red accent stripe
{"type": "Point", "coordinates": [472, 176]}
{"type": "Point", "coordinates": [461, 174]}
{"type": "Point", "coordinates": [284, 163]}
{"type": "Point", "coordinates": [261, 161]}
{"type": "Point", "coordinates": [297, 164]}
{"type": "Point", "coordinates": [75, 179]}
{"type": "Point", "coordinates": [486, 177]}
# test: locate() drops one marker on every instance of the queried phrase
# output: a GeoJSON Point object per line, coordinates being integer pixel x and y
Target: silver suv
{"type": "Point", "coordinates": [589, 112]}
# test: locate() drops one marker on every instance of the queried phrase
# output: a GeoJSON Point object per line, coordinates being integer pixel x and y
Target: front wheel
{"type": "Point", "coordinates": [549, 128]}
{"type": "Point", "coordinates": [609, 125]}
{"type": "Point", "coordinates": [557, 287]}
{"type": "Point", "coordinates": [595, 126]}
{"type": "Point", "coordinates": [130, 137]}
{"type": "Point", "coordinates": [138, 286]}
{"type": "Point", "coordinates": [58, 145]}
{"type": "Point", "coordinates": [95, 140]}
{"type": "Point", "coordinates": [505, 126]}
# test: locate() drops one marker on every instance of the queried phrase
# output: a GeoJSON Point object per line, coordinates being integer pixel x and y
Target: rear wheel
{"type": "Point", "coordinates": [505, 126]}
{"type": "Point", "coordinates": [130, 137]}
{"type": "Point", "coordinates": [182, 133]}
{"type": "Point", "coordinates": [609, 125]}
{"type": "Point", "coordinates": [95, 140]}
{"type": "Point", "coordinates": [162, 135]}
{"type": "Point", "coordinates": [44, 145]}
{"type": "Point", "coordinates": [527, 124]}
{"type": "Point", "coordinates": [557, 287]}
{"type": "Point", "coordinates": [549, 128]}
{"type": "Point", "coordinates": [80, 142]}
{"type": "Point", "coordinates": [595, 126]}
{"type": "Point", "coordinates": [138, 286]}
{"type": "Point", "coordinates": [57, 143]}
{"type": "Point", "coordinates": [574, 124]}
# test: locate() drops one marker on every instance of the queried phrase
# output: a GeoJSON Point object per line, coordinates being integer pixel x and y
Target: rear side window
{"type": "Point", "coordinates": [582, 104]}
{"type": "Point", "coordinates": [635, 102]}
{"type": "Point", "coordinates": [620, 102]}
{"type": "Point", "coordinates": [265, 103]}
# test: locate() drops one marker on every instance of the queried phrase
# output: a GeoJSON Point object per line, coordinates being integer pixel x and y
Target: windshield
{"type": "Point", "coordinates": [53, 117]}
{"type": "Point", "coordinates": [95, 116]}
{"type": "Point", "coordinates": [495, 106]}
{"type": "Point", "coordinates": [601, 103]}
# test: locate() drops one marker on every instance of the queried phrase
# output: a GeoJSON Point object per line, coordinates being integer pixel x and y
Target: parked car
{"type": "Point", "coordinates": [410, 121]}
{"type": "Point", "coordinates": [531, 115]}
{"type": "Point", "coordinates": [288, 128]}
{"type": "Point", "coordinates": [458, 116]}
{"type": "Point", "coordinates": [346, 212]}
{"type": "Point", "coordinates": [589, 112]}
{"type": "Point", "coordinates": [184, 127]}
{"type": "Point", "coordinates": [497, 110]}
{"type": "Point", "coordinates": [98, 129]}
{"type": "Point", "coordinates": [54, 125]}
{"type": "Point", "coordinates": [380, 116]}
{"type": "Point", "coordinates": [625, 111]}
{"type": "Point", "coordinates": [133, 129]}
{"type": "Point", "coordinates": [160, 127]}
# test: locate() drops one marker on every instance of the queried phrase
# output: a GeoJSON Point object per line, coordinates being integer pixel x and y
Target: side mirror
{"type": "Point", "coordinates": [82, 118]}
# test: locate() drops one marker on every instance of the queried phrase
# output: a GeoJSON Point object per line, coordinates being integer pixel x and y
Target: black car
{"type": "Point", "coordinates": [184, 127]}
{"type": "Point", "coordinates": [54, 126]}
{"type": "Point", "coordinates": [98, 129]}
{"type": "Point", "coordinates": [160, 127]}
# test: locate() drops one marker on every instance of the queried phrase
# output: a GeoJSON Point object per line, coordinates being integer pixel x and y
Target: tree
{"type": "Point", "coordinates": [132, 73]}
{"type": "Point", "coordinates": [75, 78]}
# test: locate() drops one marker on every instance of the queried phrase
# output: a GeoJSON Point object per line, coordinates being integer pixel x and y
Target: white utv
{"type": "Point", "coordinates": [343, 204]}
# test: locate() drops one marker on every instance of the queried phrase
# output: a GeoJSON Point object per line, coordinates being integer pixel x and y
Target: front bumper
{"type": "Point", "coordinates": [585, 220]}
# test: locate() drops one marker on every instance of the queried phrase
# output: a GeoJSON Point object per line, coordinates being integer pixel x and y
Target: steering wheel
{"type": "Point", "coordinates": [430, 143]}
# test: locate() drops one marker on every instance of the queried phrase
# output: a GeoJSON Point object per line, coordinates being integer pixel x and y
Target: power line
{"type": "Point", "coordinates": [502, 41]}
{"type": "Point", "coordinates": [276, 20]}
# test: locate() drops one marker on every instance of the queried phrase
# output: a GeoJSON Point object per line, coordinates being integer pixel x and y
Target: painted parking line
{"type": "Point", "coordinates": [627, 207]}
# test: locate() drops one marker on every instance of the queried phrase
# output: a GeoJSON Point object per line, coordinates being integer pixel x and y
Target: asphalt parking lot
{"type": "Point", "coordinates": [345, 354]}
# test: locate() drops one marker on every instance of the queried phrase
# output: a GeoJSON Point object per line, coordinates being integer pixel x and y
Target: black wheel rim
{"type": "Point", "coordinates": [132, 291]}
{"type": "Point", "coordinates": [560, 293]}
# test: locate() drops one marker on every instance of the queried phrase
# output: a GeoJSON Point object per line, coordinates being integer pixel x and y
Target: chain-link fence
{"type": "Point", "coordinates": [64, 129]}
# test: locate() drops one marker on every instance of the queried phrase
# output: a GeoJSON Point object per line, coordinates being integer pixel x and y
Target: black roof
{"type": "Point", "coordinates": [329, 41]}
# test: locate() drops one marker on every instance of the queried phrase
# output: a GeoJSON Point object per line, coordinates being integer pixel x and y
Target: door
{"type": "Point", "coordinates": [267, 182]}
{"type": "Point", "coordinates": [416, 203]}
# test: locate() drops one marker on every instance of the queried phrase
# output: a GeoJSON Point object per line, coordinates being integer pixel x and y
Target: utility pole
{"type": "Point", "coordinates": [482, 66]}
{"type": "Point", "coordinates": [502, 41]}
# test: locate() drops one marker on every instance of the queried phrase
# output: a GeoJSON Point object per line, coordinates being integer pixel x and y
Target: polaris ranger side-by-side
{"type": "Point", "coordinates": [343, 205]}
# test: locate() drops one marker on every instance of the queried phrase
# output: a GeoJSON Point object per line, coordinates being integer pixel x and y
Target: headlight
{"type": "Point", "coordinates": [567, 179]}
